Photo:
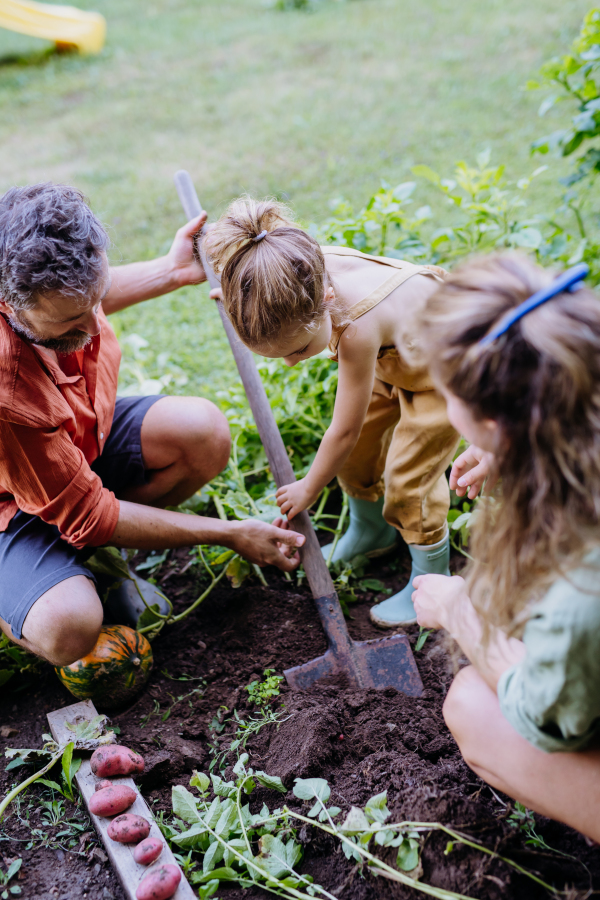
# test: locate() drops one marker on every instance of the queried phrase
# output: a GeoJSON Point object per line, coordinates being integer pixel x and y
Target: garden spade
{"type": "Point", "coordinates": [385, 663]}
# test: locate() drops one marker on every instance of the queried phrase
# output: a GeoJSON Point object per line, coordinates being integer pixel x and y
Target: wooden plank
{"type": "Point", "coordinates": [128, 871]}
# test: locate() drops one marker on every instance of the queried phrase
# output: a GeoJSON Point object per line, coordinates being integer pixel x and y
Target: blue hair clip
{"type": "Point", "coordinates": [568, 281]}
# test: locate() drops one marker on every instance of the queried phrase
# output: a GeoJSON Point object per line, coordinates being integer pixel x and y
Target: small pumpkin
{"type": "Point", "coordinates": [114, 672]}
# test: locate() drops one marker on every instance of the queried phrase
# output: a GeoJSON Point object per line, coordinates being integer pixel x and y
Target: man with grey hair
{"type": "Point", "coordinates": [79, 467]}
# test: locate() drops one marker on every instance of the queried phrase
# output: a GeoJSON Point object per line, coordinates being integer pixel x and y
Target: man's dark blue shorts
{"type": "Point", "coordinates": [33, 556]}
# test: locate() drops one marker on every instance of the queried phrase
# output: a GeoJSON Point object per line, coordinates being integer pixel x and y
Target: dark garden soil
{"type": "Point", "coordinates": [363, 742]}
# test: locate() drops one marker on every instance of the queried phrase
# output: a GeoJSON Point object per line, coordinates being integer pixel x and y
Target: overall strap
{"type": "Point", "coordinates": [403, 271]}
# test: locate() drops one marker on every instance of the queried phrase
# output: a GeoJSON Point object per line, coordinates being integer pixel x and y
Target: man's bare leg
{"type": "Point", "coordinates": [185, 444]}
{"type": "Point", "coordinates": [562, 786]}
{"type": "Point", "coordinates": [64, 623]}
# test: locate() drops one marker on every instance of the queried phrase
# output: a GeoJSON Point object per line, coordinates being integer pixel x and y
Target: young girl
{"type": "Point", "coordinates": [521, 378]}
{"type": "Point", "coordinates": [390, 440]}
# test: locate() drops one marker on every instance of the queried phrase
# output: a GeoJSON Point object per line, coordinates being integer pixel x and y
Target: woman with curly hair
{"type": "Point", "coordinates": [516, 354]}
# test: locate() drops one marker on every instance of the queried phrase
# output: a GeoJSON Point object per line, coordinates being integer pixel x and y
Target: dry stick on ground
{"type": "Point", "coordinates": [388, 872]}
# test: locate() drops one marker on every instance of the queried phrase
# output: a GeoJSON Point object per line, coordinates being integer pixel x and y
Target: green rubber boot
{"type": "Point", "coordinates": [123, 603]}
{"type": "Point", "coordinates": [368, 533]}
{"type": "Point", "coordinates": [427, 559]}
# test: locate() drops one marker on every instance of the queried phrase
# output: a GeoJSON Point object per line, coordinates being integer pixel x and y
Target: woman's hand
{"type": "Point", "coordinates": [293, 498]}
{"type": "Point", "coordinates": [470, 470]}
{"type": "Point", "coordinates": [437, 599]}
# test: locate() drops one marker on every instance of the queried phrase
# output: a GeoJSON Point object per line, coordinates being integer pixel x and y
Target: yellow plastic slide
{"type": "Point", "coordinates": [65, 25]}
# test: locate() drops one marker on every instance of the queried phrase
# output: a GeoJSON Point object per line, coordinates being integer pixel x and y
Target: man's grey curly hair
{"type": "Point", "coordinates": [50, 242]}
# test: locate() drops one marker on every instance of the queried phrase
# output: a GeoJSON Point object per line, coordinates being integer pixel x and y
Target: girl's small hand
{"type": "Point", "coordinates": [470, 470]}
{"type": "Point", "coordinates": [293, 498]}
{"type": "Point", "coordinates": [216, 294]}
{"type": "Point", "coordinates": [436, 598]}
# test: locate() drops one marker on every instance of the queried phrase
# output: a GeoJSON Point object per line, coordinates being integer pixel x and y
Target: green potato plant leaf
{"type": "Point", "coordinates": [408, 855]}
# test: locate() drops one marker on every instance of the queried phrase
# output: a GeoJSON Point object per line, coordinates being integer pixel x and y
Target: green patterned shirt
{"type": "Point", "coordinates": [552, 697]}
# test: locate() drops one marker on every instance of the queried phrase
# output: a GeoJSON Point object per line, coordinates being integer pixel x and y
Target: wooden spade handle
{"type": "Point", "coordinates": [315, 566]}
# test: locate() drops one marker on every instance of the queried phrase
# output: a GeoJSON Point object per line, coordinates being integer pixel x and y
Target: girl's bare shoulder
{"type": "Point", "coordinates": [360, 341]}
{"type": "Point", "coordinates": [417, 288]}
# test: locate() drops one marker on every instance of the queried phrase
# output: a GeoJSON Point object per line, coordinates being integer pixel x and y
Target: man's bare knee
{"type": "Point", "coordinates": [75, 642]}
{"type": "Point", "coordinates": [219, 440]}
{"type": "Point", "coordinates": [64, 623]}
{"type": "Point", "coordinates": [206, 439]}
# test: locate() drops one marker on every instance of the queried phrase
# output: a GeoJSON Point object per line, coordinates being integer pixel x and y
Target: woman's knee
{"type": "Point", "coordinates": [463, 708]}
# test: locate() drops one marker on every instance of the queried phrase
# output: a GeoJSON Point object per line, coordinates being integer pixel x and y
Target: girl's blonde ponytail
{"type": "Point", "coordinates": [270, 285]}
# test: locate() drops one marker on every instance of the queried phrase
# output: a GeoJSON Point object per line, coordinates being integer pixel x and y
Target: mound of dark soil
{"type": "Point", "coordinates": [362, 742]}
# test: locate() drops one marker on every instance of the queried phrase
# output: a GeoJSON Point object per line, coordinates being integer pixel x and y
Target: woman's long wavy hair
{"type": "Point", "coordinates": [540, 381]}
{"type": "Point", "coordinates": [273, 285]}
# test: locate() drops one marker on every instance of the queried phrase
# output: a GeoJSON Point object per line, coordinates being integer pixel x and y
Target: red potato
{"type": "Point", "coordinates": [149, 850]}
{"type": "Point", "coordinates": [102, 784]}
{"type": "Point", "coordinates": [129, 829]}
{"type": "Point", "coordinates": [112, 800]}
{"type": "Point", "coordinates": [159, 884]}
{"type": "Point", "coordinates": [116, 760]}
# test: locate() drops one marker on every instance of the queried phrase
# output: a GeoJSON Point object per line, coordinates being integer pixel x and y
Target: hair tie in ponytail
{"type": "Point", "coordinates": [568, 281]}
{"type": "Point", "coordinates": [260, 236]}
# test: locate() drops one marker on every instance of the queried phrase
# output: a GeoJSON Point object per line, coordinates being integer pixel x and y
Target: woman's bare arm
{"type": "Point", "coordinates": [442, 602]}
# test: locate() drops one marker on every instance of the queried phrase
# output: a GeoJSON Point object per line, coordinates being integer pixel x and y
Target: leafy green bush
{"type": "Point", "coordinates": [487, 213]}
{"type": "Point", "coordinates": [577, 76]}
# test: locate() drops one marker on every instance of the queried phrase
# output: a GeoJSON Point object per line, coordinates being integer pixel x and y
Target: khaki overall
{"type": "Point", "coordinates": [406, 442]}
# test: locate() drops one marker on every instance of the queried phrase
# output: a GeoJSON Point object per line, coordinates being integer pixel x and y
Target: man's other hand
{"type": "Point", "coordinates": [267, 545]}
{"type": "Point", "coordinates": [183, 258]}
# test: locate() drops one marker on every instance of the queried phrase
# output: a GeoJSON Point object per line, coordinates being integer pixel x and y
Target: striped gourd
{"type": "Point", "coordinates": [114, 672]}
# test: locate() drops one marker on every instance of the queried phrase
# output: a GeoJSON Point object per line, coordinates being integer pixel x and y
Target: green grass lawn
{"type": "Point", "coordinates": [308, 106]}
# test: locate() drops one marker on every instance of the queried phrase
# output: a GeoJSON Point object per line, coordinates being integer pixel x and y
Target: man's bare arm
{"type": "Point", "coordinates": [139, 281]}
{"type": "Point", "coordinates": [149, 528]}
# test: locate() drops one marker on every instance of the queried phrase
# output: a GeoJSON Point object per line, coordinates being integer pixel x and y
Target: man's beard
{"type": "Point", "coordinates": [67, 343]}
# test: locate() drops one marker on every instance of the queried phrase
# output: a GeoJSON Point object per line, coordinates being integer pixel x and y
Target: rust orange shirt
{"type": "Point", "coordinates": [54, 422]}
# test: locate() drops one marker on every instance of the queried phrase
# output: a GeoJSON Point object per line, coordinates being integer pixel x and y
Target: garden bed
{"type": "Point", "coordinates": [362, 742]}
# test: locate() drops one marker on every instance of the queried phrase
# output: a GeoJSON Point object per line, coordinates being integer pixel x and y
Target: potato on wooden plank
{"type": "Point", "coordinates": [129, 829]}
{"type": "Point", "coordinates": [149, 850]}
{"type": "Point", "coordinates": [102, 784]}
{"type": "Point", "coordinates": [116, 760]}
{"type": "Point", "coordinates": [159, 883]}
{"type": "Point", "coordinates": [112, 800]}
